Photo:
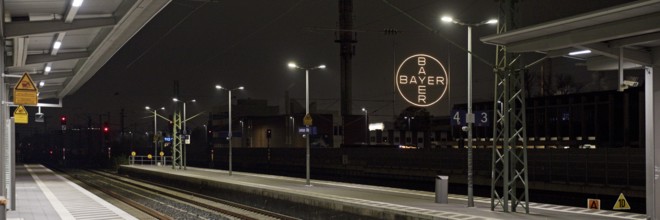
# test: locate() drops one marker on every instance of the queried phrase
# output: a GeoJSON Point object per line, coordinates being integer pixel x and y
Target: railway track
{"type": "Point", "coordinates": [163, 202]}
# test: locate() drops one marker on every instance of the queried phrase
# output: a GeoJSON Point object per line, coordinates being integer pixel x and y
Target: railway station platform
{"type": "Point", "coordinates": [41, 194]}
{"type": "Point", "coordinates": [361, 200]}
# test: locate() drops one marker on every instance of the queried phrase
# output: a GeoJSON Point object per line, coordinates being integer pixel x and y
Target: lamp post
{"type": "Point", "coordinates": [408, 118]}
{"type": "Point", "coordinates": [155, 128]}
{"type": "Point", "coordinates": [293, 129]}
{"type": "Point", "coordinates": [469, 118]}
{"type": "Point", "coordinates": [294, 66]}
{"type": "Point", "coordinates": [366, 125]}
{"type": "Point", "coordinates": [185, 129]}
{"type": "Point", "coordinates": [229, 135]}
{"type": "Point", "coordinates": [242, 133]}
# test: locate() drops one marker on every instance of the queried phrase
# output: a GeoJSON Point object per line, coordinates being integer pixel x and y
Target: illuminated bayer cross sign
{"type": "Point", "coordinates": [422, 80]}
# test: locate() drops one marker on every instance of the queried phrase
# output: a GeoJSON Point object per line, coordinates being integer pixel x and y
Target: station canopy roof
{"type": "Point", "coordinates": [634, 27]}
{"type": "Point", "coordinates": [65, 42]}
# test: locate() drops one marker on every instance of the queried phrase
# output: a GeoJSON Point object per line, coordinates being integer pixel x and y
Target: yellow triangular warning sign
{"type": "Point", "coordinates": [25, 83]}
{"type": "Point", "coordinates": [20, 110]}
{"type": "Point", "coordinates": [621, 203]}
{"type": "Point", "coordinates": [20, 115]}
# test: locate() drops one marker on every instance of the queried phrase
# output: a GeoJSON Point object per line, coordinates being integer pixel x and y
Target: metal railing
{"type": "Point", "coordinates": [145, 160]}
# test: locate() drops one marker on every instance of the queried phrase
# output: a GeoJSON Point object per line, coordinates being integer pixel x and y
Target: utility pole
{"type": "Point", "coordinates": [509, 163]}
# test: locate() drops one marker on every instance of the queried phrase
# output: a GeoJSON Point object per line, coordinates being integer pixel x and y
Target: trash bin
{"type": "Point", "coordinates": [441, 185]}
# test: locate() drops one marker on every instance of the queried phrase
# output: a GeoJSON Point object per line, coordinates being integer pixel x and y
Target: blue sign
{"type": "Point", "coordinates": [481, 118]}
{"type": "Point", "coordinates": [167, 139]}
{"type": "Point", "coordinates": [458, 117]}
{"type": "Point", "coordinates": [303, 130]}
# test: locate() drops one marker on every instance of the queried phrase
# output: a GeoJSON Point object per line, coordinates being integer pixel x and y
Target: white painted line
{"type": "Point", "coordinates": [57, 205]}
{"type": "Point", "coordinates": [104, 203]}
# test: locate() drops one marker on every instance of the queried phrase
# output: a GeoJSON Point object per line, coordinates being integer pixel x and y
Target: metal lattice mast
{"type": "Point", "coordinates": [509, 158]}
{"type": "Point", "coordinates": [177, 159]}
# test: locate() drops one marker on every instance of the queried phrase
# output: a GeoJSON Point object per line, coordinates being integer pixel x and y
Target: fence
{"type": "Point", "coordinates": [146, 160]}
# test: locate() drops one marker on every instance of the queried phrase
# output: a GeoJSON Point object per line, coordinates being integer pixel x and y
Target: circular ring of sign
{"type": "Point", "coordinates": [423, 78]}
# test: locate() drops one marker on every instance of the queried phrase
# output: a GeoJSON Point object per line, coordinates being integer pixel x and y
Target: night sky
{"type": "Point", "coordinates": [249, 43]}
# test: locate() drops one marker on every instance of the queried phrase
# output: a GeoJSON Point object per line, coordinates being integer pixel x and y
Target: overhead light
{"type": "Point", "coordinates": [77, 3]}
{"type": "Point", "coordinates": [292, 65]}
{"type": "Point", "coordinates": [57, 45]}
{"type": "Point", "coordinates": [322, 67]}
{"type": "Point", "coordinates": [175, 99]}
{"type": "Point", "coordinates": [447, 19]}
{"type": "Point", "coordinates": [241, 87]}
{"type": "Point", "coordinates": [491, 21]}
{"type": "Point", "coordinates": [41, 84]}
{"type": "Point", "coordinates": [218, 87]}
{"type": "Point", "coordinates": [47, 69]}
{"type": "Point", "coordinates": [147, 108]}
{"type": "Point", "coordinates": [579, 52]}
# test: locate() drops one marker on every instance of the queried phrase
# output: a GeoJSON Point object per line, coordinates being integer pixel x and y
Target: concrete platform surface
{"type": "Point", "coordinates": [42, 194]}
{"type": "Point", "coordinates": [403, 202]}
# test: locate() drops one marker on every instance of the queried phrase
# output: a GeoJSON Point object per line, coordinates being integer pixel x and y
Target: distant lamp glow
{"type": "Point", "coordinates": [194, 100]}
{"type": "Point", "coordinates": [77, 3]}
{"type": "Point", "coordinates": [492, 21]}
{"type": "Point", "coordinates": [162, 108]}
{"type": "Point", "coordinates": [579, 52]}
{"type": "Point", "coordinates": [447, 19]}
{"type": "Point", "coordinates": [292, 65]}
{"type": "Point", "coordinates": [175, 99]}
{"type": "Point", "coordinates": [322, 67]}
{"type": "Point", "coordinates": [364, 109]}
{"type": "Point", "coordinates": [218, 87]}
{"type": "Point", "coordinates": [57, 45]}
{"type": "Point", "coordinates": [147, 108]}
{"type": "Point", "coordinates": [241, 87]}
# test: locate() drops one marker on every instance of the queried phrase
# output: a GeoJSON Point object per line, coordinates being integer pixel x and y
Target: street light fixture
{"type": "Point", "coordinates": [185, 128]}
{"type": "Point", "coordinates": [155, 128]}
{"type": "Point", "coordinates": [308, 136]}
{"type": "Point", "coordinates": [229, 135]}
{"type": "Point", "coordinates": [469, 116]}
